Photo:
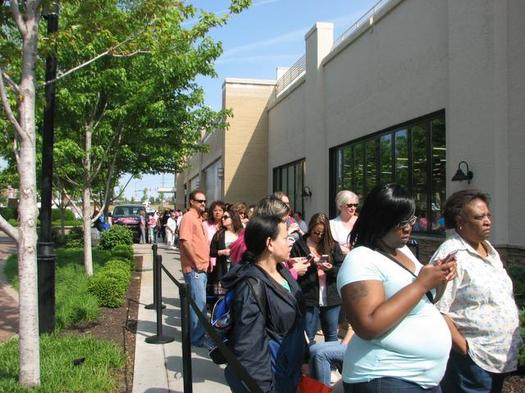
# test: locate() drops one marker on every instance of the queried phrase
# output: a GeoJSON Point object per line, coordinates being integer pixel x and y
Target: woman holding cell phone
{"type": "Point", "coordinates": [323, 303]}
{"type": "Point", "coordinates": [401, 341]}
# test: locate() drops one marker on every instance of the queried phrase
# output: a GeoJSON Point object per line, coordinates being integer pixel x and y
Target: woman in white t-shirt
{"type": "Point", "coordinates": [401, 341]}
{"type": "Point", "coordinates": [347, 203]}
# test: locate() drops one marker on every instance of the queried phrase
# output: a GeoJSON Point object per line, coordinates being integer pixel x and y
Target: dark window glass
{"type": "Point", "coordinates": [385, 155]}
{"type": "Point", "coordinates": [359, 166]}
{"type": "Point", "coordinates": [401, 154]}
{"type": "Point", "coordinates": [290, 180]}
{"type": "Point", "coordinates": [413, 155]}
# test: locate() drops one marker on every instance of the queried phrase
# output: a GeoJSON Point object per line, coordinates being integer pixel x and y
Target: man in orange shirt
{"type": "Point", "coordinates": [195, 258]}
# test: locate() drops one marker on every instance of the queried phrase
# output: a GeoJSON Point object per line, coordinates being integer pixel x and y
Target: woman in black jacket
{"type": "Point", "coordinates": [266, 336]}
{"type": "Point", "coordinates": [319, 283]}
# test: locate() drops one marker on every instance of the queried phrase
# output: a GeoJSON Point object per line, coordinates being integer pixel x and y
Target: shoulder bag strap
{"type": "Point", "coordinates": [428, 294]}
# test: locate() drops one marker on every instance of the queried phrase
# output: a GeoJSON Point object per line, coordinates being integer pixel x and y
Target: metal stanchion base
{"type": "Point", "coordinates": [153, 306]}
{"type": "Point", "coordinates": [159, 339]}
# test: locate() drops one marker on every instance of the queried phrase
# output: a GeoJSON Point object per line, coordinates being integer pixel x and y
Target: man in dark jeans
{"type": "Point", "coordinates": [195, 258]}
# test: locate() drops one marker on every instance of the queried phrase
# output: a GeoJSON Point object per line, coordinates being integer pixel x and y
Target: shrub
{"type": "Point", "coordinates": [517, 274]}
{"type": "Point", "coordinates": [119, 264]}
{"type": "Point", "coordinates": [116, 235]}
{"type": "Point", "coordinates": [124, 251]}
{"type": "Point", "coordinates": [68, 215]}
{"type": "Point", "coordinates": [108, 288]}
{"type": "Point", "coordinates": [75, 238]}
{"type": "Point", "coordinates": [521, 359]}
{"type": "Point", "coordinates": [9, 213]}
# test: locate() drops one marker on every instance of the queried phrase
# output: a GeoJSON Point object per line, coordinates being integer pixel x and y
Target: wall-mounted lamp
{"type": "Point", "coordinates": [461, 175]}
{"type": "Point", "coordinates": [307, 192]}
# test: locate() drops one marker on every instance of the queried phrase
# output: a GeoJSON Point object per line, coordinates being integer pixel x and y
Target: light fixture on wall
{"type": "Point", "coordinates": [307, 192]}
{"type": "Point", "coordinates": [461, 175]}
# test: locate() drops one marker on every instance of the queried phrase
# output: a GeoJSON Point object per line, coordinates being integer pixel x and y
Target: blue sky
{"type": "Point", "coordinates": [267, 35]}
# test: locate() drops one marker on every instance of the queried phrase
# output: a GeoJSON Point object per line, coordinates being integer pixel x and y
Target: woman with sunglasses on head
{"type": "Point", "coordinates": [347, 203]}
{"type": "Point", "coordinates": [401, 341]}
{"type": "Point", "coordinates": [219, 247]}
{"type": "Point", "coordinates": [319, 282]}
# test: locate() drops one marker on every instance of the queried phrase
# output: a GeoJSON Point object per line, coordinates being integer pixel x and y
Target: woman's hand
{"type": "Point", "coordinates": [325, 266]}
{"type": "Point", "coordinates": [224, 252]}
{"type": "Point", "coordinates": [301, 265]}
{"type": "Point", "coordinates": [432, 275]}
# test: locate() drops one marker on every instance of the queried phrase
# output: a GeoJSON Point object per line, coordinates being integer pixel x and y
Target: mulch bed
{"type": "Point", "coordinates": [120, 325]}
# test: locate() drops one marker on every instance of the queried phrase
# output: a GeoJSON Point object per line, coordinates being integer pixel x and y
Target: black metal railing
{"type": "Point", "coordinates": [186, 303]}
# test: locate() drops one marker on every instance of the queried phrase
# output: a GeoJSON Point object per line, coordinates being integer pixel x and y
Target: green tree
{"type": "Point", "coordinates": [162, 59]}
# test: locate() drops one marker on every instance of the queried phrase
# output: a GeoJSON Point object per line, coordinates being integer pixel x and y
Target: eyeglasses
{"type": "Point", "coordinates": [411, 221]}
{"type": "Point", "coordinates": [354, 205]}
{"type": "Point", "coordinates": [200, 200]}
{"type": "Point", "coordinates": [317, 233]}
{"type": "Point", "coordinates": [225, 217]}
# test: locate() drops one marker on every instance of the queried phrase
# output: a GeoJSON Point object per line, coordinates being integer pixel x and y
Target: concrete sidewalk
{"type": "Point", "coordinates": [158, 367]}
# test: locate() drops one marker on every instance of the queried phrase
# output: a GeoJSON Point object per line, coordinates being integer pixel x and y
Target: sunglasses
{"type": "Point", "coordinates": [411, 221]}
{"type": "Point", "coordinates": [225, 217]}
{"type": "Point", "coordinates": [349, 205]}
{"type": "Point", "coordinates": [316, 233]}
{"type": "Point", "coordinates": [200, 200]}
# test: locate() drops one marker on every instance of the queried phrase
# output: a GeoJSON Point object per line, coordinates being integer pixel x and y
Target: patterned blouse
{"type": "Point", "coordinates": [480, 301]}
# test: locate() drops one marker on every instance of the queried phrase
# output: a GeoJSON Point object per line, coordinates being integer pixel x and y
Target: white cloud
{"type": "Point", "coordinates": [291, 36]}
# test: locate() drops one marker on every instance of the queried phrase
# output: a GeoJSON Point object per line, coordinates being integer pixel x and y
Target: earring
{"type": "Point", "coordinates": [460, 228]}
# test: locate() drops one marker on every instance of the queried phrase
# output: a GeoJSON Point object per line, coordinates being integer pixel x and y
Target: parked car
{"type": "Point", "coordinates": [129, 215]}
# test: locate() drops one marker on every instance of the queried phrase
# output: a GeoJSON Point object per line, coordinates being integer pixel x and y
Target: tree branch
{"type": "Point", "coordinates": [15, 11]}
{"type": "Point", "coordinates": [139, 51]}
{"type": "Point", "coordinates": [9, 230]}
{"type": "Point", "coordinates": [11, 83]}
{"type": "Point", "coordinates": [71, 181]}
{"type": "Point", "coordinates": [7, 107]}
{"type": "Point", "coordinates": [105, 53]}
{"type": "Point", "coordinates": [123, 189]}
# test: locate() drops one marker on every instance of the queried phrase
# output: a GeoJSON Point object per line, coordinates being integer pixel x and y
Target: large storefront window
{"type": "Point", "coordinates": [289, 178]}
{"type": "Point", "coordinates": [412, 155]}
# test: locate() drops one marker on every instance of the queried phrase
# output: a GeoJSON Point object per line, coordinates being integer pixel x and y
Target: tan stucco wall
{"type": "Point", "coordinates": [246, 140]}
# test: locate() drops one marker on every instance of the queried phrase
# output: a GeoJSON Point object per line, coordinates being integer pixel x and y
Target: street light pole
{"type": "Point", "coordinates": [46, 252]}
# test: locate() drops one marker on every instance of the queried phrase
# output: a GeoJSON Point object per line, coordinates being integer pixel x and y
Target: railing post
{"type": "Point", "coordinates": [186, 339]}
{"type": "Point", "coordinates": [153, 305]}
{"type": "Point", "coordinates": [159, 338]}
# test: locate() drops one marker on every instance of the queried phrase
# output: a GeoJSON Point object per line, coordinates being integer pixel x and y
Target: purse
{"type": "Point", "coordinates": [309, 385]}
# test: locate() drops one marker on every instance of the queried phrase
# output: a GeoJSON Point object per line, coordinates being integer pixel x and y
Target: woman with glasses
{"type": "Point", "coordinates": [401, 341]}
{"type": "Point", "coordinates": [219, 248]}
{"type": "Point", "coordinates": [319, 282]}
{"type": "Point", "coordinates": [347, 203]}
{"type": "Point", "coordinates": [478, 304]}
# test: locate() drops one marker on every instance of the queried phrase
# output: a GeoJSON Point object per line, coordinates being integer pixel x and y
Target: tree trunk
{"type": "Point", "coordinates": [28, 212]}
{"type": "Point", "coordinates": [86, 203]}
{"type": "Point", "coordinates": [86, 224]}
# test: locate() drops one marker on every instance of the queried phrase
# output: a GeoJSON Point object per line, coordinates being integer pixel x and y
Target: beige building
{"type": "Point", "coordinates": [408, 93]}
{"type": "Point", "coordinates": [236, 166]}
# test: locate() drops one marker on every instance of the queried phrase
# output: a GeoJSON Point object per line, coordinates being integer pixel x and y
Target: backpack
{"type": "Point", "coordinates": [221, 319]}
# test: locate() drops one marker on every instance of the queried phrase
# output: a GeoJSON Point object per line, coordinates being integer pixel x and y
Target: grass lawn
{"type": "Point", "coordinates": [58, 371]}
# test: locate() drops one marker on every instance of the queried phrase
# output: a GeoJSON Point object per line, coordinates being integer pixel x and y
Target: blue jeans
{"type": "Point", "coordinates": [324, 357]}
{"type": "Point", "coordinates": [197, 287]}
{"type": "Point", "coordinates": [465, 376]}
{"type": "Point", "coordinates": [387, 385]}
{"type": "Point", "coordinates": [329, 317]}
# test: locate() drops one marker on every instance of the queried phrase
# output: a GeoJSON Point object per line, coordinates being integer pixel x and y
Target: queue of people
{"type": "Point", "coordinates": [450, 325]}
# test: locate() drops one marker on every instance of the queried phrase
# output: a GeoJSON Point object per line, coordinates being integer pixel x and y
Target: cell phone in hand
{"type": "Point", "coordinates": [323, 258]}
